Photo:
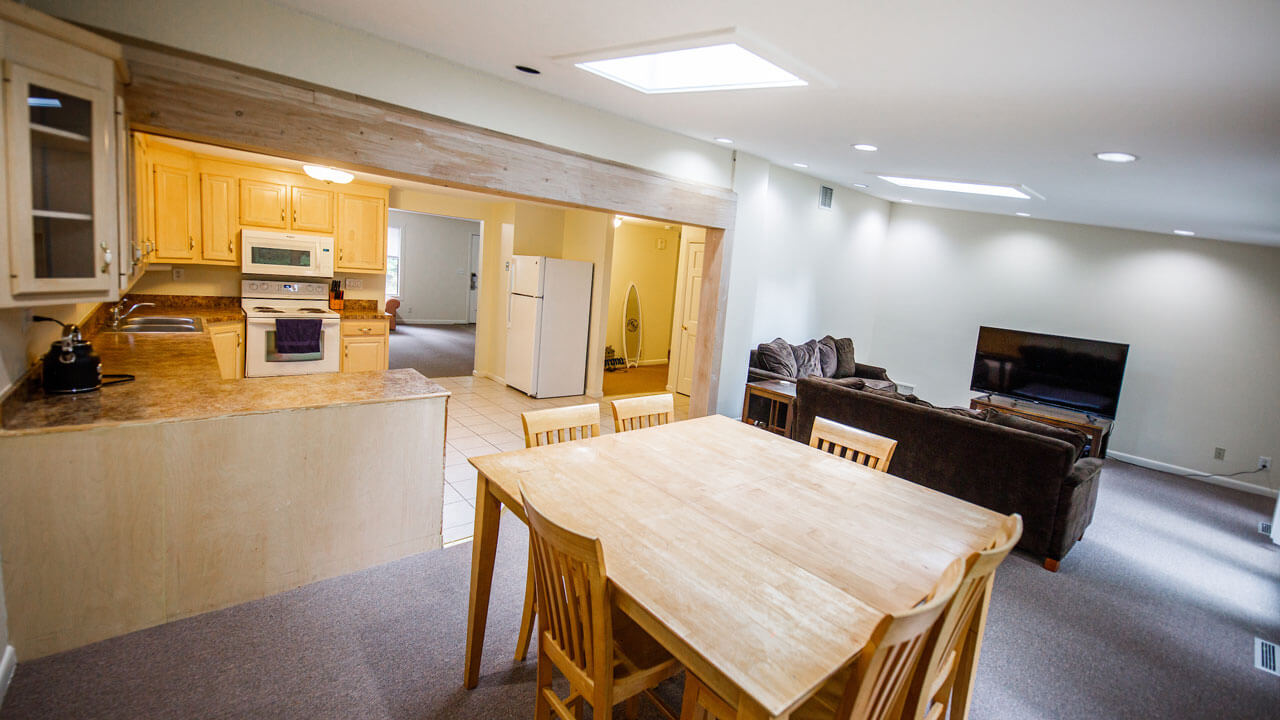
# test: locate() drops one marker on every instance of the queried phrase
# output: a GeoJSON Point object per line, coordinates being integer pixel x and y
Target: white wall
{"type": "Point", "coordinates": [262, 35]}
{"type": "Point", "coordinates": [435, 266]}
{"type": "Point", "coordinates": [1202, 319]}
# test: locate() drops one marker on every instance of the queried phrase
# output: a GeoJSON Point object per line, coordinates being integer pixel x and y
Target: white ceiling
{"type": "Point", "coordinates": [998, 91]}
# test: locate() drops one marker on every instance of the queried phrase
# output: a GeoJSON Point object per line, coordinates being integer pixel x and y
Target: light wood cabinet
{"type": "Point", "coordinates": [144, 198]}
{"type": "Point", "coordinates": [364, 345]}
{"type": "Point", "coordinates": [228, 346]}
{"type": "Point", "coordinates": [312, 210]}
{"type": "Point", "coordinates": [264, 204]}
{"type": "Point", "coordinates": [177, 206]}
{"type": "Point", "coordinates": [218, 236]}
{"type": "Point", "coordinates": [362, 233]}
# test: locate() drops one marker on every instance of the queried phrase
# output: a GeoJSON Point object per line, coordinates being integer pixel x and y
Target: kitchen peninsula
{"type": "Point", "coordinates": [181, 492]}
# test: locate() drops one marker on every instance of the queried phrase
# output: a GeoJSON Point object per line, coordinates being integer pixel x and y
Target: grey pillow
{"type": "Point", "coordinates": [807, 362]}
{"type": "Point", "coordinates": [1076, 438]}
{"type": "Point", "coordinates": [776, 357]}
{"type": "Point", "coordinates": [845, 366]}
{"type": "Point", "coordinates": [827, 356]}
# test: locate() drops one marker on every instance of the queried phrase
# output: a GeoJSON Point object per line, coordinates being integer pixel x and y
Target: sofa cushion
{"type": "Point", "coordinates": [845, 366]}
{"type": "Point", "coordinates": [1076, 438]}
{"type": "Point", "coordinates": [983, 414]}
{"type": "Point", "coordinates": [827, 356]}
{"type": "Point", "coordinates": [807, 362]}
{"type": "Point", "coordinates": [776, 357]}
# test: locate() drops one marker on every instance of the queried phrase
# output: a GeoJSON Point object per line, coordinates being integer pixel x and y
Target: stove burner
{"type": "Point", "coordinates": [260, 308]}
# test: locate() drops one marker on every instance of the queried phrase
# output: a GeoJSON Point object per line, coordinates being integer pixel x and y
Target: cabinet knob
{"type": "Point", "coordinates": [281, 214]}
{"type": "Point", "coordinates": [231, 248]}
{"type": "Point", "coordinates": [192, 241]}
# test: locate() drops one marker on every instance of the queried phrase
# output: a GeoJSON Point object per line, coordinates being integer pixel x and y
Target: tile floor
{"type": "Point", "coordinates": [484, 418]}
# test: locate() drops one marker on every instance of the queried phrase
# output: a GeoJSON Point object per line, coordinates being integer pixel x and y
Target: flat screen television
{"type": "Point", "coordinates": [1067, 372]}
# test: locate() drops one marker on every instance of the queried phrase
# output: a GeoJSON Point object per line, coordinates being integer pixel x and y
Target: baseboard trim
{"type": "Point", "coordinates": [489, 376]}
{"type": "Point", "coordinates": [652, 362]}
{"type": "Point", "coordinates": [1229, 482]}
{"type": "Point", "coordinates": [8, 664]}
{"type": "Point", "coordinates": [415, 321]}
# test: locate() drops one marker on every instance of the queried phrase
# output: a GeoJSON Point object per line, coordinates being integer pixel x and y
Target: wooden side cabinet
{"type": "Point", "coordinates": [228, 346]}
{"type": "Point", "coordinates": [1098, 430]}
{"type": "Point", "coordinates": [364, 345]}
{"type": "Point", "coordinates": [770, 404]}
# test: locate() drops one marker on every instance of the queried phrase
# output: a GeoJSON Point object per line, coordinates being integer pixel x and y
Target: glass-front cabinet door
{"type": "Point", "coordinates": [62, 226]}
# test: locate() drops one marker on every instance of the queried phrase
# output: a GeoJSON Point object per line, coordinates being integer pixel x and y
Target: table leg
{"type": "Point", "coordinates": [967, 669]}
{"type": "Point", "coordinates": [483, 549]}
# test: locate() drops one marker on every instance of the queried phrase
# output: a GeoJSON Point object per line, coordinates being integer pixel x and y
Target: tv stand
{"type": "Point", "coordinates": [1097, 429]}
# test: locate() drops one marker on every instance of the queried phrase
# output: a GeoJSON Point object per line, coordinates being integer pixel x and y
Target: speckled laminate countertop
{"type": "Point", "coordinates": [178, 379]}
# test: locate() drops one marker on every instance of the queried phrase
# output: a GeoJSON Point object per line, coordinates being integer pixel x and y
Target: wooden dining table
{"type": "Point", "coordinates": [760, 563]}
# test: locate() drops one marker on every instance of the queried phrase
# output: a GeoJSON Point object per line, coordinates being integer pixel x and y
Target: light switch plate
{"type": "Point", "coordinates": [355, 284]}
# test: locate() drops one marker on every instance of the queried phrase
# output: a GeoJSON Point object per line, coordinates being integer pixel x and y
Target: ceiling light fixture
{"type": "Point", "coordinates": [617, 221]}
{"type": "Point", "coordinates": [1116, 157]}
{"type": "Point", "coordinates": [865, 147]}
{"type": "Point", "coordinates": [960, 187]}
{"type": "Point", "coordinates": [800, 165]}
{"type": "Point", "coordinates": [725, 140]}
{"type": "Point", "coordinates": [1184, 233]}
{"type": "Point", "coordinates": [1023, 214]}
{"type": "Point", "coordinates": [528, 70]}
{"type": "Point", "coordinates": [328, 174]}
{"type": "Point", "coordinates": [859, 185]}
{"type": "Point", "coordinates": [728, 66]}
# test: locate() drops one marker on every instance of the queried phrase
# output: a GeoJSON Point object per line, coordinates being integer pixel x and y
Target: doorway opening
{"type": "Point", "coordinates": [653, 291]}
{"type": "Point", "coordinates": [433, 273]}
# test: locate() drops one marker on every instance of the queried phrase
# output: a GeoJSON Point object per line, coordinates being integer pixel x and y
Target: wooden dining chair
{"type": "Point", "coordinates": [547, 427]}
{"type": "Point", "coordinates": [606, 657]}
{"type": "Point", "coordinates": [929, 695]}
{"type": "Point", "coordinates": [860, 446]}
{"type": "Point", "coordinates": [874, 686]}
{"type": "Point", "coordinates": [642, 412]}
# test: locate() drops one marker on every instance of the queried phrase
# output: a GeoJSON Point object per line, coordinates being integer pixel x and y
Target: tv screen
{"type": "Point", "coordinates": [1073, 373]}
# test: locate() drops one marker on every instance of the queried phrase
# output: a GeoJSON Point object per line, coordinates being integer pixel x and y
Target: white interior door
{"type": "Point", "coordinates": [473, 296]}
{"type": "Point", "coordinates": [692, 292]}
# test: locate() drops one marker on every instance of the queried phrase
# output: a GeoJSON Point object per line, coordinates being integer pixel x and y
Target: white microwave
{"type": "Point", "coordinates": [263, 252]}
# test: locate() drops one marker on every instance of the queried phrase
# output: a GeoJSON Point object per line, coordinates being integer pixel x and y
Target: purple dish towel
{"type": "Point", "coordinates": [297, 335]}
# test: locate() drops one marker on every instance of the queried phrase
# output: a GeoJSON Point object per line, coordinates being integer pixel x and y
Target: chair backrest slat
{"type": "Point", "coordinates": [562, 424]}
{"type": "Point", "coordinates": [642, 412]}
{"type": "Point", "coordinates": [860, 446]}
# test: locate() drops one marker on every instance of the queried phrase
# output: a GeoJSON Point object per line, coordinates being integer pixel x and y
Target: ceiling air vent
{"type": "Point", "coordinates": [825, 196]}
{"type": "Point", "coordinates": [1264, 527]}
{"type": "Point", "coordinates": [1264, 656]}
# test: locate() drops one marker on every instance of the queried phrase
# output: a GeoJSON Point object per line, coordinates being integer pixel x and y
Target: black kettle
{"type": "Point", "coordinates": [71, 366]}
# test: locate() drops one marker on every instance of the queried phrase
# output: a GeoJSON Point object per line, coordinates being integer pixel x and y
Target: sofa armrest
{"type": "Point", "coordinates": [871, 372]}
{"type": "Point", "coordinates": [1086, 470]}
{"type": "Point", "coordinates": [755, 373]}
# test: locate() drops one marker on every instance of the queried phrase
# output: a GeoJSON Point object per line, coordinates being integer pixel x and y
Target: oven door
{"type": "Point", "coordinates": [274, 253]}
{"type": "Point", "coordinates": [261, 359]}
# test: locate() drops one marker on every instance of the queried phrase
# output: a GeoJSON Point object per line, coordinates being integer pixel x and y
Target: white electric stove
{"type": "Point", "coordinates": [265, 301]}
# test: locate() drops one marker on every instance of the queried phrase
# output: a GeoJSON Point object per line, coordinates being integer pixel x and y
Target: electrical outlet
{"type": "Point", "coordinates": [1219, 453]}
{"type": "Point", "coordinates": [179, 274]}
{"type": "Point", "coordinates": [355, 284]}
{"type": "Point", "coordinates": [1264, 462]}
{"type": "Point", "coordinates": [27, 316]}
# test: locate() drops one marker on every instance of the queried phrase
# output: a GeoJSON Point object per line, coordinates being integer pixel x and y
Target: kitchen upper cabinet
{"type": "Point", "coordinates": [61, 176]}
{"type": "Point", "coordinates": [312, 210]}
{"type": "Point", "coordinates": [218, 236]}
{"type": "Point", "coordinates": [228, 347]}
{"type": "Point", "coordinates": [362, 233]}
{"type": "Point", "coordinates": [177, 204]}
{"type": "Point", "coordinates": [144, 198]}
{"type": "Point", "coordinates": [264, 204]}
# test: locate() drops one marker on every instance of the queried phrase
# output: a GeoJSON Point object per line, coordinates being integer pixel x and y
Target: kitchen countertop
{"type": "Point", "coordinates": [178, 379]}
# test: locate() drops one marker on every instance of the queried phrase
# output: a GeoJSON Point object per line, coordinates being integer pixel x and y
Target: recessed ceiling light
{"type": "Point", "coordinates": [960, 187]}
{"type": "Point", "coordinates": [1186, 233]}
{"type": "Point", "coordinates": [906, 200]}
{"type": "Point", "coordinates": [1116, 157]}
{"type": "Point", "coordinates": [529, 70]}
{"type": "Point", "coordinates": [800, 165]}
{"type": "Point", "coordinates": [726, 141]}
{"type": "Point", "coordinates": [859, 185]}
{"type": "Point", "coordinates": [1023, 214]}
{"type": "Point", "coordinates": [716, 67]}
{"type": "Point", "coordinates": [865, 147]}
{"type": "Point", "coordinates": [328, 174]}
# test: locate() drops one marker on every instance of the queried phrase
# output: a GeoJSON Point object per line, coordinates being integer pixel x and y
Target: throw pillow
{"type": "Point", "coordinates": [827, 356]}
{"type": "Point", "coordinates": [807, 362]}
{"type": "Point", "coordinates": [1075, 438]}
{"type": "Point", "coordinates": [776, 357]}
{"type": "Point", "coordinates": [845, 366]}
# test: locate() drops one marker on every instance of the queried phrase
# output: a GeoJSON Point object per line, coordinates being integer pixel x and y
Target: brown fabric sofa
{"type": "Point", "coordinates": [1002, 468]}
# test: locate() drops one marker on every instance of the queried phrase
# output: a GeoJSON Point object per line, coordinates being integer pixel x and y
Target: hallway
{"type": "Point", "coordinates": [436, 351]}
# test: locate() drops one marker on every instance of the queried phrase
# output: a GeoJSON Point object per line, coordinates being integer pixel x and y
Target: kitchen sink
{"type": "Point", "coordinates": [160, 325]}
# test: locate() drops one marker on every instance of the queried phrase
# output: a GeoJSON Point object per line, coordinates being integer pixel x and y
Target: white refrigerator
{"type": "Point", "coordinates": [548, 320]}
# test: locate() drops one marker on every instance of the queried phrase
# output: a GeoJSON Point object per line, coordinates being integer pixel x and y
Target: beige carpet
{"type": "Point", "coordinates": [643, 379]}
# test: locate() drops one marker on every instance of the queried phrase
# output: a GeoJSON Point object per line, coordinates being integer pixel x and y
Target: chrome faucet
{"type": "Point", "coordinates": [117, 316]}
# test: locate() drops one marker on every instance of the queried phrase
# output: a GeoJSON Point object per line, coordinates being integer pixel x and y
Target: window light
{"type": "Point", "coordinates": [44, 102]}
{"type": "Point", "coordinates": [716, 67]}
{"type": "Point", "coordinates": [960, 187]}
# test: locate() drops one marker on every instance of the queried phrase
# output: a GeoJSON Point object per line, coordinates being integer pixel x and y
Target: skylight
{"type": "Point", "coordinates": [716, 67]}
{"type": "Point", "coordinates": [960, 187]}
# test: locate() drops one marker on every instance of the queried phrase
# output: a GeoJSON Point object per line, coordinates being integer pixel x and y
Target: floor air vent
{"type": "Point", "coordinates": [1264, 527]}
{"type": "Point", "coordinates": [1264, 656]}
